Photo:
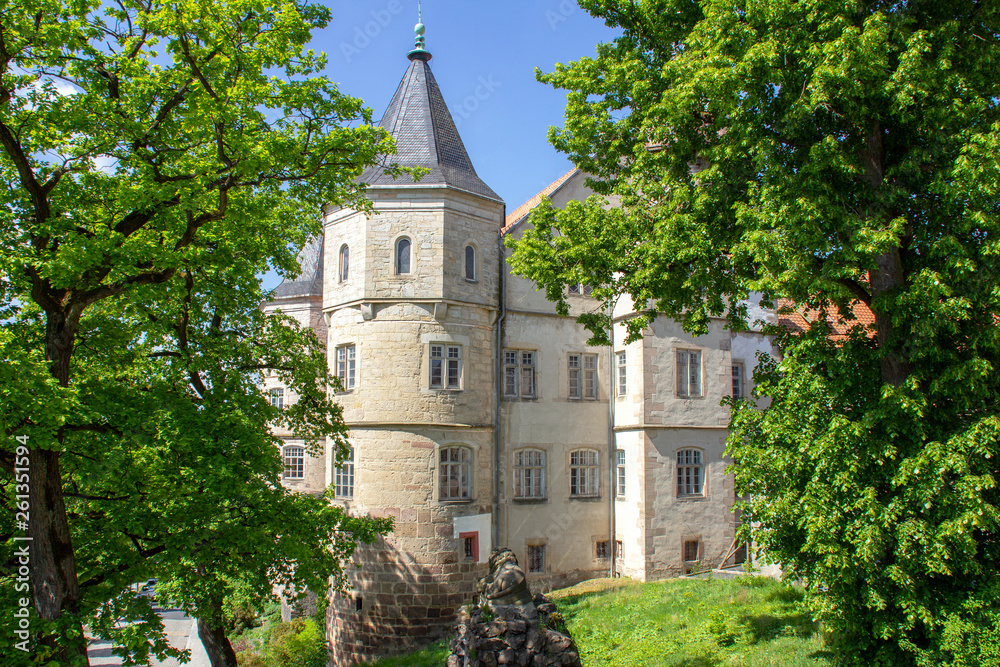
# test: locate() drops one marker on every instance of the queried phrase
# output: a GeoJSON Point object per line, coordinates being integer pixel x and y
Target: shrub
{"type": "Point", "coordinates": [299, 643]}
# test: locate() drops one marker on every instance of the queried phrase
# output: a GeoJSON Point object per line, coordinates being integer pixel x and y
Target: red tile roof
{"type": "Point", "coordinates": [524, 209]}
{"type": "Point", "coordinates": [797, 318]}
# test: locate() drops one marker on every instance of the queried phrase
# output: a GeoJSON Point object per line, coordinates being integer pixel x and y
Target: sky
{"type": "Point", "coordinates": [484, 58]}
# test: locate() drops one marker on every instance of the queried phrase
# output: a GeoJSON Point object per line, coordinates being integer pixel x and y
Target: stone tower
{"type": "Point", "coordinates": [411, 296]}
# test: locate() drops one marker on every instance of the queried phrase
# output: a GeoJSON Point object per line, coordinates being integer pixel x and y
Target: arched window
{"type": "Point", "coordinates": [529, 473]}
{"type": "Point", "coordinates": [402, 256]}
{"type": "Point", "coordinates": [455, 473]}
{"type": "Point", "coordinates": [345, 262]}
{"type": "Point", "coordinates": [584, 473]}
{"type": "Point", "coordinates": [294, 460]}
{"type": "Point", "coordinates": [690, 473]}
{"type": "Point", "coordinates": [470, 263]}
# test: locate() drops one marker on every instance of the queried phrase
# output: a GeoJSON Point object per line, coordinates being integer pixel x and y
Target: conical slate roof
{"type": "Point", "coordinates": [425, 135]}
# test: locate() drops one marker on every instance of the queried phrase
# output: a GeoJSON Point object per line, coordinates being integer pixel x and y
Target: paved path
{"type": "Point", "coordinates": [182, 632]}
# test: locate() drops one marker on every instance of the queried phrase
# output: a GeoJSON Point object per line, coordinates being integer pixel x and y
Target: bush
{"type": "Point", "coordinates": [299, 643]}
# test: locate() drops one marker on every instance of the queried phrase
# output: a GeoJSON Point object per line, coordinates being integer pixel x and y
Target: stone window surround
{"type": "Point", "coordinates": [602, 548]}
{"type": "Point", "coordinates": [621, 373]}
{"type": "Point", "coordinates": [441, 338]}
{"type": "Point", "coordinates": [518, 368]}
{"type": "Point", "coordinates": [344, 263]}
{"type": "Point", "coordinates": [350, 366]}
{"type": "Point", "coordinates": [276, 397]}
{"type": "Point", "coordinates": [739, 381]}
{"type": "Point", "coordinates": [395, 257]}
{"type": "Point", "coordinates": [535, 542]}
{"type": "Point", "coordinates": [344, 478]}
{"type": "Point", "coordinates": [620, 473]}
{"type": "Point", "coordinates": [467, 464]}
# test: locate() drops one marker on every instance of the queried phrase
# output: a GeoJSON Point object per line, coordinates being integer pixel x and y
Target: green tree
{"type": "Point", "coordinates": [837, 154]}
{"type": "Point", "coordinates": [156, 157]}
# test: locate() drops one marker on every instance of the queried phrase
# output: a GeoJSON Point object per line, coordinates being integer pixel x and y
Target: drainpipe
{"type": "Point", "coordinates": [499, 393]}
{"type": "Point", "coordinates": [612, 463]}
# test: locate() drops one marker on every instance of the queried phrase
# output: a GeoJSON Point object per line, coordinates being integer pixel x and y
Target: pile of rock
{"type": "Point", "coordinates": [511, 637]}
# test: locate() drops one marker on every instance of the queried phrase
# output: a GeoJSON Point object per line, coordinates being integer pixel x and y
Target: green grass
{"type": "Point", "coordinates": [745, 622]}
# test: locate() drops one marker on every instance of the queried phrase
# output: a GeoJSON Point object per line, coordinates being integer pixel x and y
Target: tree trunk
{"type": "Point", "coordinates": [213, 638]}
{"type": "Point", "coordinates": [55, 586]}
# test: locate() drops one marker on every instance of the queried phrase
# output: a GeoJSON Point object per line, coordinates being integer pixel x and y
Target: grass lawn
{"type": "Point", "coordinates": [745, 622]}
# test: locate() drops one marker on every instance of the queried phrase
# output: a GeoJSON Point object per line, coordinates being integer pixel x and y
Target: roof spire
{"type": "Point", "coordinates": [419, 53]}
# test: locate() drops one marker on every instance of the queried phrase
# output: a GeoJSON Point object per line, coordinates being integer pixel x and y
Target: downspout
{"type": "Point", "coordinates": [499, 393]}
{"type": "Point", "coordinates": [612, 463]}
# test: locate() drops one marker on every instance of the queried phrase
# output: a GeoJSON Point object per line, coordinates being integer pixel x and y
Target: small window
{"type": "Point", "coordinates": [446, 366]}
{"type": "Point", "coordinates": [470, 546]}
{"type": "Point", "coordinates": [294, 462]}
{"type": "Point", "coordinates": [345, 262]}
{"type": "Point", "coordinates": [583, 376]}
{"type": "Point", "coordinates": [584, 473]}
{"type": "Point", "coordinates": [691, 551]}
{"type": "Point", "coordinates": [738, 381]}
{"type": "Point", "coordinates": [602, 549]}
{"type": "Point", "coordinates": [470, 263]}
{"type": "Point", "coordinates": [529, 474]}
{"type": "Point", "coordinates": [621, 363]}
{"type": "Point", "coordinates": [519, 374]}
{"type": "Point", "coordinates": [402, 256]}
{"type": "Point", "coordinates": [620, 473]}
{"type": "Point", "coordinates": [580, 290]}
{"type": "Point", "coordinates": [690, 473]}
{"type": "Point", "coordinates": [345, 366]}
{"type": "Point", "coordinates": [277, 397]}
{"type": "Point", "coordinates": [619, 549]}
{"type": "Point", "coordinates": [536, 558]}
{"type": "Point", "coordinates": [455, 473]}
{"type": "Point", "coordinates": [688, 373]}
{"type": "Point", "coordinates": [344, 477]}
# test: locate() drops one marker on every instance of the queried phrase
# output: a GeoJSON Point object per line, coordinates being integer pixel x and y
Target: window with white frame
{"type": "Point", "coordinates": [345, 262]}
{"type": "Point", "coordinates": [446, 366]}
{"type": "Point", "coordinates": [529, 474]}
{"type": "Point", "coordinates": [583, 376]}
{"type": "Point", "coordinates": [519, 373]}
{"type": "Point", "coordinates": [622, 366]}
{"type": "Point", "coordinates": [343, 477]}
{"type": "Point", "coordinates": [455, 473]}
{"type": "Point", "coordinates": [579, 290]}
{"type": "Point", "coordinates": [276, 397]}
{"type": "Point", "coordinates": [584, 473]}
{"type": "Point", "coordinates": [690, 473]}
{"type": "Point", "coordinates": [402, 256]}
{"type": "Point", "coordinates": [346, 360]}
{"type": "Point", "coordinates": [294, 462]}
{"type": "Point", "coordinates": [688, 373]}
{"type": "Point", "coordinates": [470, 263]}
{"type": "Point", "coordinates": [738, 391]}
{"type": "Point", "coordinates": [620, 472]}
{"type": "Point", "coordinates": [536, 558]}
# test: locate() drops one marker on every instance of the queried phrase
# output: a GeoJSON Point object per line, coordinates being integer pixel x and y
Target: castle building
{"type": "Point", "coordinates": [479, 417]}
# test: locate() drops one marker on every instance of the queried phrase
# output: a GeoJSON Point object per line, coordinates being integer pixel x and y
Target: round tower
{"type": "Point", "coordinates": [411, 296]}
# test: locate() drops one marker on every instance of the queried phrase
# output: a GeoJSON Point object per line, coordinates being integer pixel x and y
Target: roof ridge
{"type": "Point", "coordinates": [524, 209]}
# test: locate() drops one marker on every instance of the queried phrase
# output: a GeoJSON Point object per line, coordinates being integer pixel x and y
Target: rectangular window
{"type": "Point", "coordinates": [620, 362]}
{"type": "Point", "coordinates": [536, 558]}
{"type": "Point", "coordinates": [602, 550]}
{"type": "Point", "coordinates": [470, 545]}
{"type": "Point", "coordinates": [737, 380]}
{"type": "Point", "coordinates": [691, 551]}
{"type": "Point", "coordinates": [529, 474]}
{"type": "Point", "coordinates": [619, 549]}
{"type": "Point", "coordinates": [345, 366]}
{"type": "Point", "coordinates": [688, 373]}
{"type": "Point", "coordinates": [277, 398]}
{"type": "Point", "coordinates": [690, 473]}
{"type": "Point", "coordinates": [518, 374]}
{"type": "Point", "coordinates": [584, 473]}
{"type": "Point", "coordinates": [446, 367]}
{"type": "Point", "coordinates": [344, 477]}
{"type": "Point", "coordinates": [620, 472]}
{"type": "Point", "coordinates": [294, 462]}
{"type": "Point", "coordinates": [456, 473]}
{"type": "Point", "coordinates": [583, 376]}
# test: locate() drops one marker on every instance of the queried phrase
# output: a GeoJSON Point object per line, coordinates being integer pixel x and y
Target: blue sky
{"type": "Point", "coordinates": [485, 53]}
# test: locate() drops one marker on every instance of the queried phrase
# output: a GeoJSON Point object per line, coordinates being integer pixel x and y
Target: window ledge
{"type": "Point", "coordinates": [585, 498]}
{"type": "Point", "coordinates": [692, 497]}
{"type": "Point", "coordinates": [530, 501]}
{"type": "Point", "coordinates": [456, 501]}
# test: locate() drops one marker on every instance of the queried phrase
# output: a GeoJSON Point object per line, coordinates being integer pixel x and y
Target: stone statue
{"type": "Point", "coordinates": [505, 584]}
